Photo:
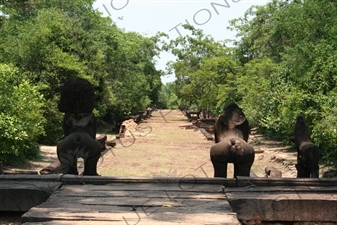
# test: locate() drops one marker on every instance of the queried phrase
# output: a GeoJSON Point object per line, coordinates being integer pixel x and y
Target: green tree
{"type": "Point", "coordinates": [205, 70]}
{"type": "Point", "coordinates": [133, 78]}
{"type": "Point", "coordinates": [167, 97]}
{"type": "Point", "coordinates": [299, 37]}
{"type": "Point", "coordinates": [254, 86]}
{"type": "Point", "coordinates": [50, 41]}
{"type": "Point", "coordinates": [50, 46]}
{"type": "Point", "coordinates": [259, 34]}
{"type": "Point", "coordinates": [21, 116]}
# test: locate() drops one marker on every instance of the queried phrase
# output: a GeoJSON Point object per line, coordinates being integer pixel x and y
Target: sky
{"type": "Point", "coordinates": [148, 17]}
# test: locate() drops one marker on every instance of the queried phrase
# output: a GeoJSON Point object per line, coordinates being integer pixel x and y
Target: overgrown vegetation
{"type": "Point", "coordinates": [21, 120]}
{"type": "Point", "coordinates": [44, 43]}
{"type": "Point", "coordinates": [283, 62]}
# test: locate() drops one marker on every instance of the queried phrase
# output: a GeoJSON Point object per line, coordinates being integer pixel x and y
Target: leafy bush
{"type": "Point", "coordinates": [21, 119]}
{"type": "Point", "coordinates": [167, 98]}
{"type": "Point", "coordinates": [53, 126]}
{"type": "Point", "coordinates": [324, 132]}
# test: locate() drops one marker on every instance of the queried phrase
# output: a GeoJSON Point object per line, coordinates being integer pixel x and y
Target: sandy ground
{"type": "Point", "coordinates": [168, 145]}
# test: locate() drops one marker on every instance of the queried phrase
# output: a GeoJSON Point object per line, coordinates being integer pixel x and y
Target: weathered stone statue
{"type": "Point", "coordinates": [231, 132]}
{"type": "Point", "coordinates": [79, 125]}
{"type": "Point", "coordinates": [307, 151]}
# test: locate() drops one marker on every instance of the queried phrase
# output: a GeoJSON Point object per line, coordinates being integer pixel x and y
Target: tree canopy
{"type": "Point", "coordinates": [49, 41]}
{"type": "Point", "coordinates": [283, 63]}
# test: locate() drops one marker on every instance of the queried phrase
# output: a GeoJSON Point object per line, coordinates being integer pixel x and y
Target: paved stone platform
{"type": "Point", "coordinates": [301, 201]}
{"type": "Point", "coordinates": [69, 199]}
{"type": "Point", "coordinates": [19, 193]}
{"type": "Point", "coordinates": [85, 200]}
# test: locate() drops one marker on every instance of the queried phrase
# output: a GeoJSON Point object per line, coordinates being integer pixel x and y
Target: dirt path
{"type": "Point", "coordinates": [168, 145]}
{"type": "Point", "coordinates": [164, 145]}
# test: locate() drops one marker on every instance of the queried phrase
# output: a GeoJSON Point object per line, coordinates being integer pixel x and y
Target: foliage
{"type": "Point", "coordinates": [135, 82]}
{"type": "Point", "coordinates": [253, 85]}
{"type": "Point", "coordinates": [324, 128]}
{"type": "Point", "coordinates": [283, 63]}
{"type": "Point", "coordinates": [303, 80]}
{"type": "Point", "coordinates": [53, 131]}
{"type": "Point", "coordinates": [50, 41]}
{"type": "Point", "coordinates": [21, 118]}
{"type": "Point", "coordinates": [205, 71]}
{"type": "Point", "coordinates": [167, 98]}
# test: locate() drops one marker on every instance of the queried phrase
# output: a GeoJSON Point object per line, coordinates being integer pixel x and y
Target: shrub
{"type": "Point", "coordinates": [21, 119]}
{"type": "Point", "coordinates": [324, 132]}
